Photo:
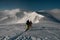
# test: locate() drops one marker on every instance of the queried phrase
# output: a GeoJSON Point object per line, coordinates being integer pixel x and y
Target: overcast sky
{"type": "Point", "coordinates": [29, 4]}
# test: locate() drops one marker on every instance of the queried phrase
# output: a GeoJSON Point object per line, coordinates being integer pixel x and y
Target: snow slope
{"type": "Point", "coordinates": [45, 25]}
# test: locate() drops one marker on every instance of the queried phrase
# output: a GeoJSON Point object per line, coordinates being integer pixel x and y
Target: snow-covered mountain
{"type": "Point", "coordinates": [32, 16]}
{"type": "Point", "coordinates": [17, 16]}
{"type": "Point", "coordinates": [46, 25]}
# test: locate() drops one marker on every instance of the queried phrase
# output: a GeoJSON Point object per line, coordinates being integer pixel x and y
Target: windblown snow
{"type": "Point", "coordinates": [46, 25]}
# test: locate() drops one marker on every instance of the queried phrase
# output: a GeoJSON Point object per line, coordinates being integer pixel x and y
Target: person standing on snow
{"type": "Point", "coordinates": [28, 25]}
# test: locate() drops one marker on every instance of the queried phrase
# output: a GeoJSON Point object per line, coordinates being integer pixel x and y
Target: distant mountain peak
{"type": "Point", "coordinates": [33, 16]}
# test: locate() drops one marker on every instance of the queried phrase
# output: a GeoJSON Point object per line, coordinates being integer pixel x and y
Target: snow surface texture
{"type": "Point", "coordinates": [46, 25]}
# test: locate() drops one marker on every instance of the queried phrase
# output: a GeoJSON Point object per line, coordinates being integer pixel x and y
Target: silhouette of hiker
{"type": "Point", "coordinates": [28, 25]}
